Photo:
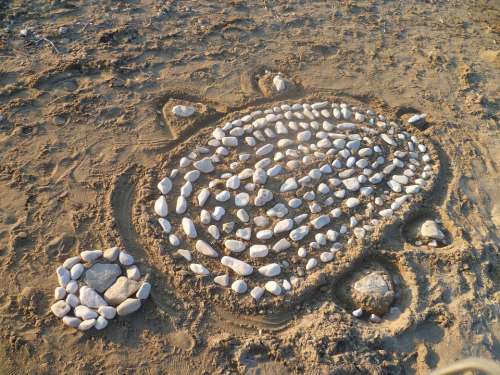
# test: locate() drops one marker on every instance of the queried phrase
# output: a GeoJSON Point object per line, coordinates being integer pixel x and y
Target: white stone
{"type": "Point", "coordinates": [311, 263]}
{"type": "Point", "coordinates": [70, 262]}
{"type": "Point", "coordinates": [263, 196]}
{"type": "Point", "coordinates": [205, 249]}
{"type": "Point", "coordinates": [86, 324]}
{"type": "Point", "coordinates": [91, 298]}
{"type": "Point", "coordinates": [198, 269]}
{"type": "Point", "coordinates": [183, 110]}
{"type": "Point", "coordinates": [222, 280]}
{"type": "Point", "coordinates": [270, 270]}
{"type": "Point", "coordinates": [144, 291]}
{"type": "Point", "coordinates": [279, 83]}
{"type": "Point", "coordinates": [259, 176]}
{"type": "Point", "coordinates": [320, 221]}
{"type": "Point", "coordinates": [230, 141]}
{"type": "Point", "coordinates": [299, 233]}
{"type": "Point", "coordinates": [72, 287]}
{"type": "Point", "coordinates": [258, 251]}
{"type": "Point", "coordinates": [430, 229]}
{"type": "Point", "coordinates": [238, 266]}
{"type": "Point", "coordinates": [85, 313]}
{"type": "Point", "coordinates": [264, 150]}
{"type": "Point", "coordinates": [108, 312]}
{"type": "Point", "coordinates": [233, 182]}
{"type": "Point", "coordinates": [283, 226]}
{"type": "Point", "coordinates": [63, 276]}
{"type": "Point", "coordinates": [239, 286]}
{"type": "Point", "coordinates": [326, 257]}
{"type": "Point", "coordinates": [161, 206]}
{"type": "Point", "coordinates": [281, 245]}
{"type": "Point", "coordinates": [100, 323]}
{"type": "Point", "coordinates": [91, 255]}
{"type": "Point", "coordinates": [77, 271]}
{"type": "Point", "coordinates": [352, 202]}
{"type": "Point", "coordinates": [289, 185]}
{"type": "Point", "coordinates": [279, 210]}
{"type": "Point", "coordinates": [71, 321]}
{"type": "Point", "coordinates": [133, 273]}
{"type": "Point", "coordinates": [204, 165]}
{"type": "Point", "coordinates": [358, 313]}
{"type": "Point", "coordinates": [234, 246]}
{"type": "Point", "coordinates": [203, 197]}
{"type": "Point", "coordinates": [125, 258]}
{"type": "Point", "coordinates": [273, 288]}
{"type": "Point", "coordinates": [60, 308]}
{"type": "Point", "coordinates": [188, 227]}
{"type": "Point", "coordinates": [257, 292]}
{"type": "Point", "coordinates": [181, 205]}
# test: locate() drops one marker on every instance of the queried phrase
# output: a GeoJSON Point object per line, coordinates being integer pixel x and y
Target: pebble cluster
{"type": "Point", "coordinates": [278, 193]}
{"type": "Point", "coordinates": [97, 285]}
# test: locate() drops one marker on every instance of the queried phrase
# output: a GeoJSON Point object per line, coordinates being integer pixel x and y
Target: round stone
{"type": "Point", "coordinates": [374, 292]}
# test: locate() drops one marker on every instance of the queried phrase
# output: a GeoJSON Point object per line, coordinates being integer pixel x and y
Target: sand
{"type": "Point", "coordinates": [86, 132]}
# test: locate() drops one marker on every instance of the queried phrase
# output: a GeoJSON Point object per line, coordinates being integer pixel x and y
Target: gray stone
{"type": "Point", "coordinates": [101, 276]}
{"type": "Point", "coordinates": [374, 292]}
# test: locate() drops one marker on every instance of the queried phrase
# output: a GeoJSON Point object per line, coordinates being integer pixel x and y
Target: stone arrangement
{"type": "Point", "coordinates": [97, 285]}
{"type": "Point", "coordinates": [276, 194]}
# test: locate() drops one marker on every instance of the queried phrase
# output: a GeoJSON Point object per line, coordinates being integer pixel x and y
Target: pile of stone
{"type": "Point", "coordinates": [96, 286]}
{"type": "Point", "coordinates": [305, 180]}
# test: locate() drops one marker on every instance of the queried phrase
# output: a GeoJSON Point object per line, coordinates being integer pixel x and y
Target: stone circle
{"type": "Point", "coordinates": [97, 285]}
{"type": "Point", "coordinates": [277, 194]}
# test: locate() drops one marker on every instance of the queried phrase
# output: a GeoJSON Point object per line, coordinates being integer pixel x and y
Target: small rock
{"type": "Point", "coordinates": [108, 312]}
{"type": "Point", "coordinates": [85, 313]}
{"type": "Point", "coordinates": [121, 290]}
{"type": "Point", "coordinates": [270, 270]}
{"type": "Point", "coordinates": [257, 293]}
{"type": "Point", "coordinates": [183, 110]}
{"type": "Point", "coordinates": [111, 254]}
{"type": "Point", "coordinates": [91, 298]}
{"type": "Point", "coordinates": [63, 276]}
{"type": "Point", "coordinates": [101, 323]}
{"type": "Point", "coordinates": [60, 308]}
{"type": "Point", "coordinates": [238, 266]}
{"type": "Point", "coordinates": [128, 306]}
{"type": "Point", "coordinates": [198, 269]}
{"type": "Point", "coordinates": [222, 280]}
{"type": "Point", "coordinates": [205, 249]}
{"type": "Point", "coordinates": [273, 288]}
{"type": "Point", "coordinates": [71, 321]}
{"type": "Point", "coordinates": [239, 286]}
{"type": "Point", "coordinates": [161, 206]}
{"type": "Point", "coordinates": [430, 229]}
{"type": "Point", "coordinates": [358, 313]}
{"type": "Point", "coordinates": [86, 324]}
{"type": "Point", "coordinates": [125, 258]}
{"type": "Point", "coordinates": [374, 292]}
{"type": "Point", "coordinates": [59, 293]}
{"type": "Point", "coordinates": [189, 228]}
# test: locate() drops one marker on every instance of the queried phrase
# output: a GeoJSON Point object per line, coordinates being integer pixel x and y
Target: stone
{"type": "Point", "coordinates": [129, 306]}
{"type": "Point", "coordinates": [326, 257]}
{"type": "Point", "coordinates": [351, 184]}
{"type": "Point", "coordinates": [258, 251]}
{"type": "Point", "coordinates": [183, 110]}
{"type": "Point", "coordinates": [222, 280]}
{"type": "Point", "coordinates": [91, 298]}
{"type": "Point", "coordinates": [278, 210]}
{"type": "Point", "coordinates": [238, 266]}
{"type": "Point", "coordinates": [352, 202]}
{"type": "Point", "coordinates": [165, 185]}
{"type": "Point", "coordinates": [281, 245]}
{"type": "Point", "coordinates": [239, 286]}
{"type": "Point", "coordinates": [358, 313]}
{"type": "Point", "coordinates": [264, 150]}
{"type": "Point", "coordinates": [430, 229]}
{"type": "Point", "coordinates": [263, 196]}
{"type": "Point", "coordinates": [279, 83]}
{"type": "Point", "coordinates": [234, 246]}
{"type": "Point", "coordinates": [204, 165]}
{"type": "Point", "coordinates": [283, 226]}
{"type": "Point", "coordinates": [101, 276]}
{"type": "Point", "coordinates": [374, 292]}
{"type": "Point", "coordinates": [72, 300]}
{"type": "Point", "coordinates": [77, 271]}
{"type": "Point", "coordinates": [100, 323]}
{"type": "Point", "coordinates": [125, 259]}
{"type": "Point", "coordinates": [85, 325]}
{"type": "Point", "coordinates": [133, 273]}
{"type": "Point", "coordinates": [108, 312]}
{"type": "Point", "coordinates": [257, 293]}
{"type": "Point", "coordinates": [71, 321]}
{"type": "Point", "coordinates": [188, 227]}
{"type": "Point", "coordinates": [161, 206]}
{"type": "Point", "coordinates": [199, 269]}
{"type": "Point", "coordinates": [320, 221]}
{"type": "Point", "coordinates": [85, 313]}
{"type": "Point", "coordinates": [63, 276]}
{"type": "Point", "coordinates": [241, 199]}
{"type": "Point", "coordinates": [273, 288]}
{"type": "Point", "coordinates": [144, 291]}
{"type": "Point", "coordinates": [203, 196]}
{"type": "Point", "coordinates": [70, 262]}
{"type": "Point", "coordinates": [120, 290]}
{"type": "Point", "coordinates": [289, 185]}
{"type": "Point", "coordinates": [299, 233]}
{"type": "Point", "coordinates": [205, 249]}
{"type": "Point", "coordinates": [59, 293]}
{"type": "Point", "coordinates": [311, 264]}
{"type": "Point", "coordinates": [60, 308]}
{"type": "Point", "coordinates": [270, 270]}
{"type": "Point", "coordinates": [72, 287]}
